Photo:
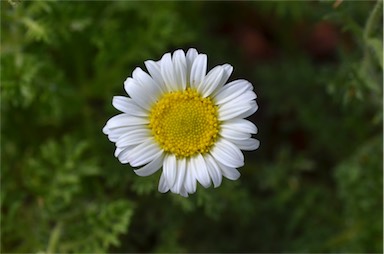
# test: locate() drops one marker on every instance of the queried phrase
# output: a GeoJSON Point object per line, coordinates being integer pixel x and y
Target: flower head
{"type": "Point", "coordinates": [188, 122]}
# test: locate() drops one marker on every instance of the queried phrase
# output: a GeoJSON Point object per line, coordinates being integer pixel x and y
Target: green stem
{"type": "Point", "coordinates": [372, 20]}
{"type": "Point", "coordinates": [54, 238]}
{"type": "Point", "coordinates": [370, 25]}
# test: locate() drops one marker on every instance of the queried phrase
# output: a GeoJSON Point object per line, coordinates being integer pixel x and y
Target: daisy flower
{"type": "Point", "coordinates": [184, 120]}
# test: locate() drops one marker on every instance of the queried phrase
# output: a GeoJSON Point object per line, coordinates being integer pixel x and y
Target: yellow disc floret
{"type": "Point", "coordinates": [184, 123]}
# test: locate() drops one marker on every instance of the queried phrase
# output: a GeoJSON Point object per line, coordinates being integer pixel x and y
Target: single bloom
{"type": "Point", "coordinates": [184, 120]}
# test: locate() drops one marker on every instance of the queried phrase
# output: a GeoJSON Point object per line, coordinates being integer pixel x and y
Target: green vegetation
{"type": "Point", "coordinates": [314, 185]}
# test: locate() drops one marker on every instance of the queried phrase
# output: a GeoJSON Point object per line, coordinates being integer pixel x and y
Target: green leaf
{"type": "Point", "coordinates": [376, 46]}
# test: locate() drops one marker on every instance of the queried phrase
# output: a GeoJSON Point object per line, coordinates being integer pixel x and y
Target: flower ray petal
{"type": "Point", "coordinates": [152, 167]}
{"type": "Point", "coordinates": [190, 179]}
{"type": "Point", "coordinates": [200, 169]}
{"type": "Point", "coordinates": [180, 68]}
{"type": "Point", "coordinates": [137, 93]}
{"type": "Point", "coordinates": [179, 183]}
{"type": "Point", "coordinates": [228, 113]}
{"type": "Point", "coordinates": [190, 58]}
{"type": "Point", "coordinates": [154, 70]}
{"type": "Point", "coordinates": [168, 73]}
{"type": "Point", "coordinates": [229, 172]}
{"type": "Point", "coordinates": [128, 106]}
{"type": "Point", "coordinates": [251, 111]}
{"type": "Point", "coordinates": [115, 133]}
{"type": "Point", "coordinates": [163, 186]}
{"type": "Point", "coordinates": [198, 71]}
{"type": "Point", "coordinates": [234, 134]}
{"type": "Point", "coordinates": [240, 124]}
{"type": "Point", "coordinates": [143, 153]}
{"type": "Point", "coordinates": [228, 154]}
{"type": "Point", "coordinates": [123, 120]}
{"type": "Point", "coordinates": [169, 169]}
{"type": "Point", "coordinates": [123, 155]}
{"type": "Point", "coordinates": [224, 78]}
{"type": "Point", "coordinates": [211, 81]}
{"type": "Point", "coordinates": [148, 84]}
{"type": "Point", "coordinates": [133, 137]}
{"type": "Point", "coordinates": [232, 90]}
{"type": "Point", "coordinates": [213, 170]}
{"type": "Point", "coordinates": [247, 145]}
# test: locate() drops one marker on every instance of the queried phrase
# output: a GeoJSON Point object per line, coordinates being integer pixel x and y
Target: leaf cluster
{"type": "Point", "coordinates": [315, 184]}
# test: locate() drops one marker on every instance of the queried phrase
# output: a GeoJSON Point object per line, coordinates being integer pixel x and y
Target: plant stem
{"type": "Point", "coordinates": [54, 238]}
{"type": "Point", "coordinates": [372, 20]}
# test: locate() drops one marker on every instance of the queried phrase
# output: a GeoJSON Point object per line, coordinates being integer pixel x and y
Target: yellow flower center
{"type": "Point", "coordinates": [184, 123]}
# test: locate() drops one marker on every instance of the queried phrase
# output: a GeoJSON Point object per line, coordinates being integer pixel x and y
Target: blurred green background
{"type": "Point", "coordinates": [314, 185]}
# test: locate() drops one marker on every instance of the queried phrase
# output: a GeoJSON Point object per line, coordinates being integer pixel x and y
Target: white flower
{"type": "Point", "coordinates": [184, 120]}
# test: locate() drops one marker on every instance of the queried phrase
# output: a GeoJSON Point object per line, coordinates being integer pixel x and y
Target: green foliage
{"type": "Point", "coordinates": [362, 77]}
{"type": "Point", "coordinates": [315, 184]}
{"type": "Point", "coordinates": [360, 181]}
{"type": "Point", "coordinates": [57, 201]}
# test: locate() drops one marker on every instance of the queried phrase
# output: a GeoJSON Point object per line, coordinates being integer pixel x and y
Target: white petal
{"type": "Point", "coordinates": [151, 167]}
{"type": "Point", "coordinates": [180, 68]}
{"type": "Point", "coordinates": [228, 69]}
{"type": "Point", "coordinates": [226, 74]}
{"type": "Point", "coordinates": [237, 107]}
{"type": "Point", "coordinates": [247, 96]}
{"type": "Point", "coordinates": [232, 90]}
{"type": "Point", "coordinates": [123, 156]}
{"type": "Point", "coordinates": [154, 70]}
{"type": "Point", "coordinates": [211, 81]}
{"type": "Point", "coordinates": [137, 93]}
{"type": "Point", "coordinates": [183, 192]}
{"type": "Point", "coordinates": [168, 72]}
{"type": "Point", "coordinates": [106, 129]}
{"type": "Point", "coordinates": [229, 172]}
{"type": "Point", "coordinates": [234, 134]}
{"type": "Point", "coordinates": [213, 170]}
{"type": "Point", "coordinates": [169, 169]}
{"type": "Point", "coordinates": [248, 144]}
{"type": "Point", "coordinates": [242, 125]}
{"type": "Point", "coordinates": [227, 153]}
{"type": "Point", "coordinates": [133, 137]}
{"type": "Point", "coordinates": [122, 120]}
{"type": "Point", "coordinates": [190, 180]}
{"type": "Point", "coordinates": [179, 183]}
{"type": "Point", "coordinates": [152, 89]}
{"type": "Point", "coordinates": [242, 99]}
{"type": "Point", "coordinates": [251, 111]}
{"type": "Point", "coordinates": [144, 153]}
{"type": "Point", "coordinates": [163, 187]}
{"type": "Point", "coordinates": [118, 150]}
{"type": "Point", "coordinates": [115, 133]}
{"type": "Point", "coordinates": [128, 106]}
{"type": "Point", "coordinates": [190, 58]}
{"type": "Point", "coordinates": [200, 169]}
{"type": "Point", "coordinates": [198, 70]}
